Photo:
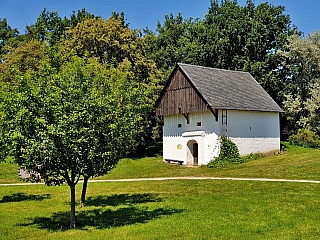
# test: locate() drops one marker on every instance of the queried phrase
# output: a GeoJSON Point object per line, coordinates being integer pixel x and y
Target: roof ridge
{"type": "Point", "coordinates": [220, 69]}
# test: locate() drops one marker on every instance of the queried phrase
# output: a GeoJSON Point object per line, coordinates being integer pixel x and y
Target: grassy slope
{"type": "Point", "coordinates": [295, 163]}
{"type": "Point", "coordinates": [8, 172]}
{"type": "Point", "coordinates": [179, 209]}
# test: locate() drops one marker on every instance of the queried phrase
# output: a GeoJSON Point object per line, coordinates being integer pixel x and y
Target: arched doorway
{"type": "Point", "coordinates": [192, 153]}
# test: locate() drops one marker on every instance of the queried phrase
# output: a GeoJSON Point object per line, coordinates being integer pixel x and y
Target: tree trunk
{"type": "Point", "coordinates": [84, 191]}
{"type": "Point", "coordinates": [73, 207]}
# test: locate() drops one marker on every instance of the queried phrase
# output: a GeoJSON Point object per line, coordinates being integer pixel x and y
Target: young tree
{"type": "Point", "coordinates": [75, 122]}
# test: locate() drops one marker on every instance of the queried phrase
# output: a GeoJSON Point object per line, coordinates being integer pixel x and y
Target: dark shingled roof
{"type": "Point", "coordinates": [225, 89]}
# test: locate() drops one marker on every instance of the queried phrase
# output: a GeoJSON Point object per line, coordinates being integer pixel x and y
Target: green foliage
{"type": "Point", "coordinates": [229, 153]}
{"type": "Point", "coordinates": [6, 35]}
{"type": "Point", "coordinates": [305, 138]}
{"type": "Point", "coordinates": [111, 41]}
{"type": "Point", "coordinates": [78, 121]}
{"type": "Point", "coordinates": [25, 56]}
{"type": "Point", "coordinates": [304, 113]}
{"type": "Point", "coordinates": [302, 104]}
{"type": "Point", "coordinates": [231, 36]}
{"type": "Point", "coordinates": [51, 28]}
{"type": "Point", "coordinates": [74, 105]}
{"type": "Point", "coordinates": [251, 156]}
{"type": "Point", "coordinates": [303, 59]}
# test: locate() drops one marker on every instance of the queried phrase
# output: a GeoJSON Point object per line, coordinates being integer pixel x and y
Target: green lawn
{"type": "Point", "coordinates": [8, 172]}
{"type": "Point", "coordinates": [174, 209]}
{"type": "Point", "coordinates": [179, 209]}
{"type": "Point", "coordinates": [294, 163]}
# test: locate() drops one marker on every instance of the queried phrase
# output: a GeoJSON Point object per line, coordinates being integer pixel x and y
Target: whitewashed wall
{"type": "Point", "coordinates": [252, 131]}
{"type": "Point", "coordinates": [205, 135]}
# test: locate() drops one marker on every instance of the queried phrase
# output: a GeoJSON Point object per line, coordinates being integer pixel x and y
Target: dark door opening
{"type": "Point", "coordinates": [195, 153]}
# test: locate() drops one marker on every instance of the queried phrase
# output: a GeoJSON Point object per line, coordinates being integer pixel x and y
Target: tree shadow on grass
{"type": "Point", "coordinates": [101, 219]}
{"type": "Point", "coordinates": [120, 199]}
{"type": "Point", "coordinates": [19, 197]}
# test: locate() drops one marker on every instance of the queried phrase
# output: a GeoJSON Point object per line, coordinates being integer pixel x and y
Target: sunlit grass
{"type": "Point", "coordinates": [175, 209]}
{"type": "Point", "coordinates": [8, 171]}
{"type": "Point", "coordinates": [294, 163]}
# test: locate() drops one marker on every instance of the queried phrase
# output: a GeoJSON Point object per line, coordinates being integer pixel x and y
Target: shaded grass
{"type": "Point", "coordinates": [101, 219]}
{"type": "Point", "coordinates": [19, 197]}
{"type": "Point", "coordinates": [179, 209]}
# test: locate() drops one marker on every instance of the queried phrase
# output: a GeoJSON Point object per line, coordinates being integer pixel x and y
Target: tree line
{"type": "Point", "coordinates": [77, 93]}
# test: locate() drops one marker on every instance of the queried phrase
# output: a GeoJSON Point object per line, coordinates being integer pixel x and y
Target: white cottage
{"type": "Point", "coordinates": [199, 104]}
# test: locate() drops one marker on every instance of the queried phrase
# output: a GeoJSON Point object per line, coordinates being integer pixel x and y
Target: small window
{"type": "Point", "coordinates": [179, 125]}
{"type": "Point", "coordinates": [198, 124]}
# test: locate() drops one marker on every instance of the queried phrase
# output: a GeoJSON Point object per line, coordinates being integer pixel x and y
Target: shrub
{"type": "Point", "coordinates": [305, 138]}
{"type": "Point", "coordinates": [229, 153]}
{"type": "Point", "coordinates": [252, 156]}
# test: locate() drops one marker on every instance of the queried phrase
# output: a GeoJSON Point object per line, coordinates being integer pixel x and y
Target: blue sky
{"type": "Point", "coordinates": [143, 13]}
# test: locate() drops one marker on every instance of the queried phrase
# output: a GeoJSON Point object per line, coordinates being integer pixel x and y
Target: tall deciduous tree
{"type": "Point", "coordinates": [6, 34]}
{"type": "Point", "coordinates": [51, 28]}
{"type": "Point", "coordinates": [231, 36]}
{"type": "Point", "coordinates": [177, 40]}
{"type": "Point", "coordinates": [112, 41]}
{"type": "Point", "coordinates": [27, 55]}
{"type": "Point", "coordinates": [303, 59]}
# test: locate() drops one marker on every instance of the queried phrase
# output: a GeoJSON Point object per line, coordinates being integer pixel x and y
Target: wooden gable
{"type": "Point", "coordinates": [179, 96]}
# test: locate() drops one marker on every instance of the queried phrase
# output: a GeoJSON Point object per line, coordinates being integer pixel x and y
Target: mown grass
{"type": "Point", "coordinates": [8, 171]}
{"type": "Point", "coordinates": [176, 209]}
{"type": "Point", "coordinates": [294, 163]}
{"type": "Point", "coordinates": [173, 209]}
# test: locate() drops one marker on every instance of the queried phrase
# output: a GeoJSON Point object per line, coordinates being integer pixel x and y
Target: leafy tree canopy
{"type": "Point", "coordinates": [51, 28]}
{"type": "Point", "coordinates": [111, 41]}
{"type": "Point", "coordinates": [6, 34]}
{"type": "Point", "coordinates": [231, 36]}
{"type": "Point", "coordinates": [303, 101]}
